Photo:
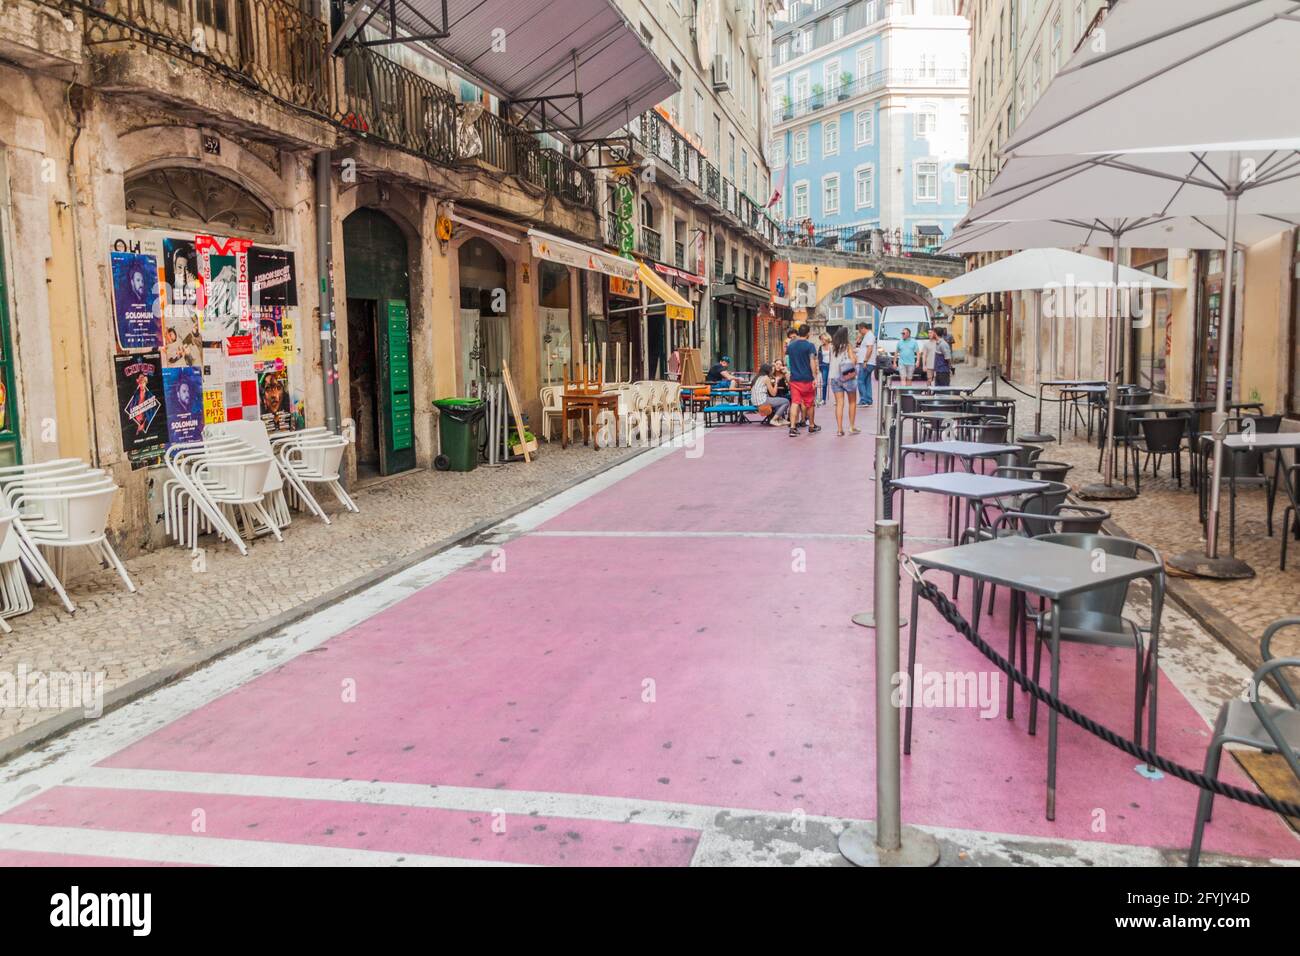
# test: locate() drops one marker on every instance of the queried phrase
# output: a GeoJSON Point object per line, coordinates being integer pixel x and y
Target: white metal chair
{"type": "Point", "coordinates": [254, 435]}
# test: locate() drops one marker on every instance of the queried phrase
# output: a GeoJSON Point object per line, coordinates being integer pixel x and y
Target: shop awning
{"type": "Point", "coordinates": [929, 231]}
{"type": "Point", "coordinates": [531, 52]}
{"type": "Point", "coordinates": [677, 307]}
{"type": "Point", "coordinates": [569, 253]}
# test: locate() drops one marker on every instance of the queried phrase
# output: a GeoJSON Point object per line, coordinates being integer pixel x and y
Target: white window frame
{"type": "Point", "coordinates": [828, 180]}
{"type": "Point", "coordinates": [926, 122]}
{"type": "Point", "coordinates": [778, 152]}
{"type": "Point", "coordinates": [831, 77]}
{"type": "Point", "coordinates": [837, 27]}
{"type": "Point", "coordinates": [866, 56]}
{"type": "Point", "coordinates": [963, 187]}
{"type": "Point", "coordinates": [916, 180]}
{"type": "Point", "coordinates": [828, 148]}
{"type": "Point", "coordinates": [799, 150]}
{"type": "Point", "coordinates": [800, 187]}
{"type": "Point", "coordinates": [801, 88]}
{"type": "Point", "coordinates": [870, 170]}
{"type": "Point", "coordinates": [858, 138]}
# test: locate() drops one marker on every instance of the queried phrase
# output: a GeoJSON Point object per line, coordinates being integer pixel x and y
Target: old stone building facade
{"type": "Point", "coordinates": [152, 146]}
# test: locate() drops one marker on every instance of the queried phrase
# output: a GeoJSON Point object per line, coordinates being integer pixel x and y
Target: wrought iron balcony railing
{"type": "Point", "coordinates": [277, 48]}
{"type": "Point", "coordinates": [803, 233]}
{"type": "Point", "coordinates": [272, 44]}
{"type": "Point", "coordinates": [856, 86]}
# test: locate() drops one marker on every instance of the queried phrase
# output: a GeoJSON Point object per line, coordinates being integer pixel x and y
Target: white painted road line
{"type": "Point", "coordinates": [205, 851]}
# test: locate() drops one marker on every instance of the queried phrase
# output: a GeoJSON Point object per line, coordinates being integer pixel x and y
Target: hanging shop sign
{"type": "Point", "coordinates": [140, 407]}
{"type": "Point", "coordinates": [681, 275]}
{"type": "Point", "coordinates": [627, 288]}
{"type": "Point", "coordinates": [624, 210]}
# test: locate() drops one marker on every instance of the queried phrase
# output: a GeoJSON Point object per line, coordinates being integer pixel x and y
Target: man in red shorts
{"type": "Point", "coordinates": [801, 358]}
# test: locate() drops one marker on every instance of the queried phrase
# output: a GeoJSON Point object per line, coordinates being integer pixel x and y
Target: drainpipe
{"type": "Point", "coordinates": [79, 257]}
{"type": "Point", "coordinates": [324, 258]}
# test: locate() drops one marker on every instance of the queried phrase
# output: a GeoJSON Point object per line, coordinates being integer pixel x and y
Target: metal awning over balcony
{"type": "Point", "coordinates": [578, 67]}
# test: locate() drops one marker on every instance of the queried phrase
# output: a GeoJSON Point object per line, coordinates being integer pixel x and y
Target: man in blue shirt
{"type": "Point", "coordinates": [801, 358]}
{"type": "Point", "coordinates": [906, 356]}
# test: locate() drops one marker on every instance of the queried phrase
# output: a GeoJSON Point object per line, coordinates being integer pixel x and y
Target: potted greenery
{"type": "Point", "coordinates": [846, 83]}
{"type": "Point", "coordinates": [518, 447]}
{"type": "Point", "coordinates": [817, 93]}
{"type": "Point", "coordinates": [787, 107]}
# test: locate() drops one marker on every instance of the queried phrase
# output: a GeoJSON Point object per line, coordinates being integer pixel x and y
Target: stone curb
{"type": "Point", "coordinates": [64, 721]}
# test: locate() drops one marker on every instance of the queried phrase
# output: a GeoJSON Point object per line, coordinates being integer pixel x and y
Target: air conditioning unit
{"type": "Point", "coordinates": [721, 73]}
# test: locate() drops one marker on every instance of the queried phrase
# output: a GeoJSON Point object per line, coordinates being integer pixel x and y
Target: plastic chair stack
{"type": "Point", "coordinates": [312, 457]}
{"type": "Point", "coordinates": [52, 507]}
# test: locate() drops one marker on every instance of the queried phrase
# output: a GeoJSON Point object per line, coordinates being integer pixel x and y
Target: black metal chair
{"type": "Point", "coordinates": [1125, 428]}
{"type": "Point", "coordinates": [1097, 617]}
{"type": "Point", "coordinates": [1158, 437]}
{"type": "Point", "coordinates": [1271, 728]}
{"type": "Point", "coordinates": [1291, 516]}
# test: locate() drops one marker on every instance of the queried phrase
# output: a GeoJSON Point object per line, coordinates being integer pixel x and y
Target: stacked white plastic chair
{"type": "Point", "coordinates": [312, 457]}
{"type": "Point", "coordinates": [218, 484]}
{"type": "Point", "coordinates": [552, 408]}
{"type": "Point", "coordinates": [254, 435]}
{"type": "Point", "coordinates": [53, 507]}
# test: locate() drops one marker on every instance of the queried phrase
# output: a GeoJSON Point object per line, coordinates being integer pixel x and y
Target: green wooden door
{"type": "Point", "coordinates": [397, 437]}
{"type": "Point", "coordinates": [374, 257]}
{"type": "Point", "coordinates": [10, 447]}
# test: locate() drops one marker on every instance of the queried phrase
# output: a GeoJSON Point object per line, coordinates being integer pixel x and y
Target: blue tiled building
{"type": "Point", "coordinates": [870, 115]}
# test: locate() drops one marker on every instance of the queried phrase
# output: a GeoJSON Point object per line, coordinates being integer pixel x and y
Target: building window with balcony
{"type": "Point", "coordinates": [926, 122]}
{"type": "Point", "coordinates": [801, 199]}
{"type": "Point", "coordinates": [801, 147]}
{"type": "Point", "coordinates": [864, 186]}
{"type": "Point", "coordinates": [831, 137]}
{"type": "Point", "coordinates": [929, 64]}
{"type": "Point", "coordinates": [699, 115]}
{"type": "Point", "coordinates": [744, 168]}
{"type": "Point", "coordinates": [864, 128]}
{"type": "Point", "coordinates": [731, 157]}
{"type": "Point", "coordinates": [832, 75]}
{"type": "Point", "coordinates": [866, 67]}
{"type": "Point", "coordinates": [801, 87]}
{"type": "Point", "coordinates": [925, 179]}
{"type": "Point", "coordinates": [717, 137]}
{"type": "Point", "coordinates": [831, 195]}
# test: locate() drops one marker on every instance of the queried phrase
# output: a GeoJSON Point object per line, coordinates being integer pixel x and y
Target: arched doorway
{"type": "Point", "coordinates": [484, 314]}
{"type": "Point", "coordinates": [379, 342]}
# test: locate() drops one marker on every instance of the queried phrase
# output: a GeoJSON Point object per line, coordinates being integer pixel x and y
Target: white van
{"type": "Point", "coordinates": [895, 318]}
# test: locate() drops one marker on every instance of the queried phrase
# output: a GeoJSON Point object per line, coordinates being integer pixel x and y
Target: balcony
{"type": "Point", "coordinates": [278, 49]}
{"type": "Point", "coordinates": [272, 44]}
{"type": "Point", "coordinates": [651, 244]}
{"type": "Point", "coordinates": [879, 80]}
{"type": "Point", "coordinates": [862, 240]}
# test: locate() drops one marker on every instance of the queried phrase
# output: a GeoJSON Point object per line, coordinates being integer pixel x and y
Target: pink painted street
{"type": "Point", "coordinates": [656, 667]}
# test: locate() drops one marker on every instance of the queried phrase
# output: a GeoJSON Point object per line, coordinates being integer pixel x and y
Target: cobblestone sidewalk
{"type": "Point", "coordinates": [180, 616]}
{"type": "Point", "coordinates": [1166, 517]}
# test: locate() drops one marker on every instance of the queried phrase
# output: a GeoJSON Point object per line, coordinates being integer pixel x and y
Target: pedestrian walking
{"type": "Point", "coordinates": [866, 355]}
{"type": "Point", "coordinates": [801, 355]}
{"type": "Point", "coordinates": [823, 366]}
{"type": "Point", "coordinates": [844, 380]}
{"type": "Point", "coordinates": [906, 356]}
{"type": "Point", "coordinates": [940, 358]}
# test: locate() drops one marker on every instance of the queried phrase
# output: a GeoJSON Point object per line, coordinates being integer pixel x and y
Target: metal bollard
{"type": "Point", "coordinates": [888, 842]}
{"type": "Point", "coordinates": [880, 511]}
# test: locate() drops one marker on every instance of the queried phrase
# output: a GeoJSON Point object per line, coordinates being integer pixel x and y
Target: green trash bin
{"type": "Point", "coordinates": [458, 433]}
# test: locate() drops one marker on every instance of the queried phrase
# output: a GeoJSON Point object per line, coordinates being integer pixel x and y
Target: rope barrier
{"type": "Point", "coordinates": [949, 612]}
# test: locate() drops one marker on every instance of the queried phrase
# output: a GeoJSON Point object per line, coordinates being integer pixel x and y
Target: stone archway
{"type": "Point", "coordinates": [880, 290]}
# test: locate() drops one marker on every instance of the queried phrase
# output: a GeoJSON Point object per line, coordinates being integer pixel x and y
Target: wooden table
{"type": "Point", "coordinates": [586, 405]}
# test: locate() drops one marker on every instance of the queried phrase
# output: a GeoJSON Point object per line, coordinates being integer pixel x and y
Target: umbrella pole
{"type": "Point", "coordinates": [1038, 435]}
{"type": "Point", "coordinates": [1211, 564]}
{"type": "Point", "coordinates": [1106, 489]}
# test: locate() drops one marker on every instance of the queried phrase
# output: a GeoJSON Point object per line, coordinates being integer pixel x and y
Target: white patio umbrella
{"type": "Point", "coordinates": [1110, 108]}
{"type": "Point", "coordinates": [1039, 269]}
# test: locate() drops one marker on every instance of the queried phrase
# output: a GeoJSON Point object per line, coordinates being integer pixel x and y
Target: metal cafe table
{"type": "Point", "coordinates": [972, 489]}
{"type": "Point", "coordinates": [1242, 443]}
{"type": "Point", "coordinates": [1050, 571]}
{"type": "Point", "coordinates": [937, 419]}
{"type": "Point", "coordinates": [966, 451]}
{"type": "Point", "coordinates": [1061, 385]}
